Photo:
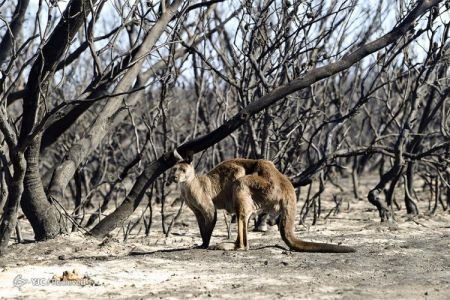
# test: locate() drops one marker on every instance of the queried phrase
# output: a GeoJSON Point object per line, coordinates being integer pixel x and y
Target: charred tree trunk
{"type": "Point", "coordinates": [15, 189]}
{"type": "Point", "coordinates": [374, 195]}
{"type": "Point", "coordinates": [13, 30]}
{"type": "Point", "coordinates": [3, 186]}
{"type": "Point", "coordinates": [448, 190]}
{"type": "Point", "coordinates": [43, 215]}
{"type": "Point", "coordinates": [411, 207]}
{"type": "Point", "coordinates": [355, 180]}
{"type": "Point", "coordinates": [389, 192]}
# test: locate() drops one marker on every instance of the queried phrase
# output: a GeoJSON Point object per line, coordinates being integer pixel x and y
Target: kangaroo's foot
{"type": "Point", "coordinates": [202, 246]}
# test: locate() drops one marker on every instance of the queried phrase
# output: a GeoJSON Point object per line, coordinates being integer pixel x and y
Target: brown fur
{"type": "Point", "coordinates": [243, 186]}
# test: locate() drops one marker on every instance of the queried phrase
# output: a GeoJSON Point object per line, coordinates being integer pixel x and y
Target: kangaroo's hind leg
{"type": "Point", "coordinates": [245, 189]}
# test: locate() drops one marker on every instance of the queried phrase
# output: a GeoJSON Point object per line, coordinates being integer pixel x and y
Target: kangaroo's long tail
{"type": "Point", "coordinates": [287, 225]}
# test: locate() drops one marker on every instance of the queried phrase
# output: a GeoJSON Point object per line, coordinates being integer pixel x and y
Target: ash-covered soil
{"type": "Point", "coordinates": [409, 259]}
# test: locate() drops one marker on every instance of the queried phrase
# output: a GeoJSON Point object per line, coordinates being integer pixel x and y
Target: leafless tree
{"type": "Point", "coordinates": [97, 95]}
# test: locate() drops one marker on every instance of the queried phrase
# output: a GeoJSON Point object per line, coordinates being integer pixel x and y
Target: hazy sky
{"type": "Point", "coordinates": [63, 3]}
{"type": "Point", "coordinates": [109, 13]}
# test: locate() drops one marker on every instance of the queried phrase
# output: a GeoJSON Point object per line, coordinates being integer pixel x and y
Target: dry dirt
{"type": "Point", "coordinates": [406, 260]}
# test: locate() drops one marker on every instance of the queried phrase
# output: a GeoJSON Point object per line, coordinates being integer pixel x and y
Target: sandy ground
{"type": "Point", "coordinates": [406, 260]}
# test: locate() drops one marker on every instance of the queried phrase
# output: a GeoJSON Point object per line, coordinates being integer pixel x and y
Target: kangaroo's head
{"type": "Point", "coordinates": [183, 169]}
{"type": "Point", "coordinates": [184, 172]}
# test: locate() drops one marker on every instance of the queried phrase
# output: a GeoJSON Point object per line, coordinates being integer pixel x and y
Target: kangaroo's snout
{"type": "Point", "coordinates": [171, 179]}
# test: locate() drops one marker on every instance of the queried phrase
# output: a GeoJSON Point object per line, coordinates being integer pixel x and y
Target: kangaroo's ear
{"type": "Point", "coordinates": [189, 156]}
{"type": "Point", "coordinates": [177, 156]}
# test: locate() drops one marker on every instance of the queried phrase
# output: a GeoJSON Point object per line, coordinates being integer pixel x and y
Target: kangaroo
{"type": "Point", "coordinates": [243, 186]}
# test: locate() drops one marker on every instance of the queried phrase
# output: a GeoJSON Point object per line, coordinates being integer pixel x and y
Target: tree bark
{"type": "Point", "coordinates": [15, 189]}
{"type": "Point", "coordinates": [374, 195]}
{"type": "Point", "coordinates": [43, 215]}
{"type": "Point", "coordinates": [411, 207]}
{"type": "Point", "coordinates": [15, 26]}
